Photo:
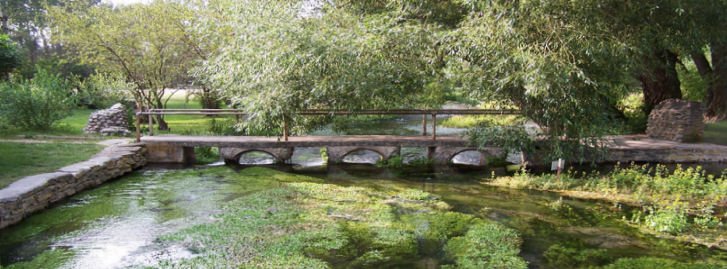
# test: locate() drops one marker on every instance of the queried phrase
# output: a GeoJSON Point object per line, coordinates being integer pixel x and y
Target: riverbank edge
{"type": "Point", "coordinates": [617, 198]}
{"type": "Point", "coordinates": [35, 193]}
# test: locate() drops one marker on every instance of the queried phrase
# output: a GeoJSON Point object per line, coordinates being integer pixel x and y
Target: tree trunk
{"type": "Point", "coordinates": [659, 79]}
{"type": "Point", "coordinates": [209, 99]}
{"type": "Point", "coordinates": [161, 123]}
{"type": "Point", "coordinates": [717, 91]}
{"type": "Point", "coordinates": [163, 126]}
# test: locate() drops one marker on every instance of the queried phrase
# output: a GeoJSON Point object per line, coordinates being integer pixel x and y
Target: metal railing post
{"type": "Point", "coordinates": [424, 124]}
{"type": "Point", "coordinates": [434, 126]}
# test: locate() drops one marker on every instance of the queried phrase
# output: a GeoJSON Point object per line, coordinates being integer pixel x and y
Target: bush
{"type": "Point", "coordinates": [36, 104]}
{"type": "Point", "coordinates": [103, 90]}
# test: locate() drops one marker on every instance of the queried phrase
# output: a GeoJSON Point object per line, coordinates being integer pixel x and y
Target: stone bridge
{"type": "Point", "coordinates": [180, 149]}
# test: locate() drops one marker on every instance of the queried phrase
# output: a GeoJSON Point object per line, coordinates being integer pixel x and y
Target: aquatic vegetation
{"type": "Point", "coordinates": [674, 202]}
{"type": "Point", "coordinates": [311, 225]}
{"type": "Point", "coordinates": [650, 263]}
{"type": "Point", "coordinates": [560, 256]}
{"type": "Point", "coordinates": [205, 155]}
{"type": "Point", "coordinates": [50, 259]}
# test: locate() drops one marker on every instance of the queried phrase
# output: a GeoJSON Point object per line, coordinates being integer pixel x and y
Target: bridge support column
{"type": "Point", "coordinates": [168, 153]}
{"type": "Point", "coordinates": [443, 155]}
{"type": "Point", "coordinates": [336, 154]}
{"type": "Point", "coordinates": [232, 155]}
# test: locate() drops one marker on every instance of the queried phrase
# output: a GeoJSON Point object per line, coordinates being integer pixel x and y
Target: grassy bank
{"type": "Point", "coordinates": [21, 159]}
{"type": "Point", "coordinates": [684, 204]}
{"type": "Point", "coordinates": [463, 121]}
{"type": "Point", "coordinates": [716, 133]}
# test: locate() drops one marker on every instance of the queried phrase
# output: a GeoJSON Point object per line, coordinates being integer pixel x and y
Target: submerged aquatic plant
{"type": "Point", "coordinates": [304, 224]}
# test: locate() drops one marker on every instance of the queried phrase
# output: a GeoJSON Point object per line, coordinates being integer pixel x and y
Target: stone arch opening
{"type": "Point", "coordinates": [308, 157]}
{"type": "Point", "coordinates": [256, 157]}
{"type": "Point", "coordinates": [363, 156]}
{"type": "Point", "coordinates": [468, 157]}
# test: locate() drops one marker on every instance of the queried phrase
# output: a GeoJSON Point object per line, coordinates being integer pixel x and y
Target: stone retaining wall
{"type": "Point", "coordinates": [34, 193]}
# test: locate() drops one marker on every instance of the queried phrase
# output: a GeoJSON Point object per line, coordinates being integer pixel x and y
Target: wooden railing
{"type": "Point", "coordinates": [323, 112]}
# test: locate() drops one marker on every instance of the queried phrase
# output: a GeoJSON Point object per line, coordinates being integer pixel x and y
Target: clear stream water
{"type": "Point", "coordinates": [117, 224]}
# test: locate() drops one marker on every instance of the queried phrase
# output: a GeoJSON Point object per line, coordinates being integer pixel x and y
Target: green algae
{"type": "Point", "coordinates": [259, 217]}
{"type": "Point", "coordinates": [313, 225]}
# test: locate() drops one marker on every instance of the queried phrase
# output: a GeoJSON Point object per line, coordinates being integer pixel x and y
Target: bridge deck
{"type": "Point", "coordinates": [306, 141]}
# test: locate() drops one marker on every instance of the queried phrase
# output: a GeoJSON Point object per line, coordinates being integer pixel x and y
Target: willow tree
{"type": "Point", "coordinates": [275, 59]}
{"type": "Point", "coordinates": [142, 41]}
{"type": "Point", "coordinates": [538, 56]}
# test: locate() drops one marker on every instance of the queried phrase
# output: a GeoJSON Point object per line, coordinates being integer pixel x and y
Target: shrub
{"type": "Point", "coordinates": [37, 103]}
{"type": "Point", "coordinates": [103, 90]}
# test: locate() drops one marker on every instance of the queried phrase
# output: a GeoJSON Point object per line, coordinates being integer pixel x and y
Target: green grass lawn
{"type": "Point", "coordinates": [20, 159]}
{"type": "Point", "coordinates": [716, 133]}
{"type": "Point", "coordinates": [73, 124]}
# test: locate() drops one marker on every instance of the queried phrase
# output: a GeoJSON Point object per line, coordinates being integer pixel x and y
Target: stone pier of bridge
{"type": "Point", "coordinates": [180, 149]}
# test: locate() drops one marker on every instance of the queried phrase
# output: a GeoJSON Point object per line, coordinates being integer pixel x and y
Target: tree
{"type": "Point", "coordinates": [141, 41]}
{"type": "Point", "coordinates": [274, 61]}
{"type": "Point", "coordinates": [25, 21]}
{"type": "Point", "coordinates": [9, 56]}
{"type": "Point", "coordinates": [709, 54]}
{"type": "Point", "coordinates": [540, 57]}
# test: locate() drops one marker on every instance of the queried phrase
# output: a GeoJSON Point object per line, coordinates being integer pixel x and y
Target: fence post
{"type": "Point", "coordinates": [151, 124]}
{"type": "Point", "coordinates": [285, 128]}
{"type": "Point", "coordinates": [434, 126]}
{"type": "Point", "coordinates": [137, 121]}
{"type": "Point", "coordinates": [424, 124]}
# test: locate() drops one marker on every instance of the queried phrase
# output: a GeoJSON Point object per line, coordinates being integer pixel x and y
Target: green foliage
{"type": "Point", "coordinates": [694, 87]}
{"type": "Point", "coordinates": [670, 197]}
{"type": "Point", "coordinates": [672, 220]}
{"type": "Point", "coordinates": [205, 155]}
{"type": "Point", "coordinates": [632, 105]}
{"type": "Point", "coordinates": [338, 60]}
{"type": "Point", "coordinates": [9, 55]}
{"type": "Point", "coordinates": [103, 90]}
{"type": "Point", "coordinates": [481, 121]}
{"type": "Point", "coordinates": [560, 256]}
{"type": "Point", "coordinates": [37, 103]}
{"type": "Point", "coordinates": [651, 262]}
{"type": "Point", "coordinates": [485, 245]}
{"type": "Point", "coordinates": [147, 44]}
{"type": "Point", "coordinates": [510, 138]}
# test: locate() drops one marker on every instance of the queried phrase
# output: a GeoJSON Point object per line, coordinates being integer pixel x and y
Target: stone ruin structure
{"type": "Point", "coordinates": [676, 120]}
{"type": "Point", "coordinates": [111, 121]}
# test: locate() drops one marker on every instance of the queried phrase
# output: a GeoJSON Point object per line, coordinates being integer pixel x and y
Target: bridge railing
{"type": "Point", "coordinates": [323, 112]}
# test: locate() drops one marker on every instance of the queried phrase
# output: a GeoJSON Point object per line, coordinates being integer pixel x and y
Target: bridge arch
{"type": "Point", "coordinates": [279, 155]}
{"type": "Point", "coordinates": [445, 155]}
{"type": "Point", "coordinates": [337, 154]}
{"type": "Point", "coordinates": [351, 154]}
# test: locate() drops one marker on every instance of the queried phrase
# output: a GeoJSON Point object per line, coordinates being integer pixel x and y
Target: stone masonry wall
{"type": "Point", "coordinates": [676, 120]}
{"type": "Point", "coordinates": [34, 193]}
{"type": "Point", "coordinates": [113, 120]}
